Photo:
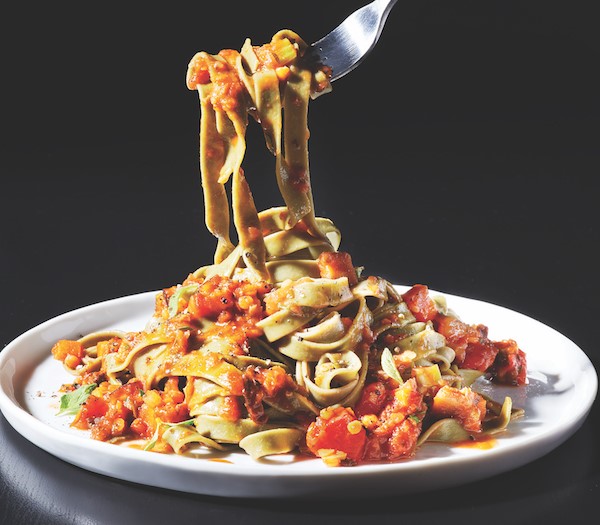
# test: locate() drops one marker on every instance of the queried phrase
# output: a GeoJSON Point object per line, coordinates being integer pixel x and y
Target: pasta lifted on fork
{"type": "Point", "coordinates": [282, 344]}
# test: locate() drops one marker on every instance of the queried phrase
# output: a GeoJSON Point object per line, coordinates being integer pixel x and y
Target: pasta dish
{"type": "Point", "coordinates": [282, 344]}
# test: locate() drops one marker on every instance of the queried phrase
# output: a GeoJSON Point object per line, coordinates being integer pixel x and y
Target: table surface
{"type": "Point", "coordinates": [473, 169]}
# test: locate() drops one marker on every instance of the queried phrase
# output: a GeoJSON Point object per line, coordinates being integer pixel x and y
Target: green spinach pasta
{"type": "Point", "coordinates": [282, 344]}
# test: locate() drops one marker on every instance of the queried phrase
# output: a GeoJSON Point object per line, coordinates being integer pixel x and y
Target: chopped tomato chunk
{"type": "Point", "coordinates": [337, 429]}
{"type": "Point", "coordinates": [372, 400]}
{"type": "Point", "coordinates": [457, 334]}
{"type": "Point", "coordinates": [510, 366]}
{"type": "Point", "coordinates": [403, 441]}
{"type": "Point", "coordinates": [465, 405]}
{"type": "Point", "coordinates": [333, 265]}
{"type": "Point", "coordinates": [460, 336]}
{"type": "Point", "coordinates": [213, 297]}
{"type": "Point", "coordinates": [419, 303]}
{"type": "Point", "coordinates": [393, 431]}
{"type": "Point", "coordinates": [480, 355]}
{"type": "Point", "coordinates": [69, 352]}
{"type": "Point", "coordinates": [113, 410]}
{"type": "Point", "coordinates": [236, 306]}
{"type": "Point", "coordinates": [93, 408]}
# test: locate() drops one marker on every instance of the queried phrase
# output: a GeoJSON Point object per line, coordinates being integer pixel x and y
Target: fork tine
{"type": "Point", "coordinates": [348, 44]}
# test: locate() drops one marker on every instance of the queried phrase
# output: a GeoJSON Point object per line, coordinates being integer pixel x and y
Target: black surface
{"type": "Point", "coordinates": [472, 167]}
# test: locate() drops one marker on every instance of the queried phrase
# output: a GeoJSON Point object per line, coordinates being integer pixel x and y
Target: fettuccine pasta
{"type": "Point", "coordinates": [281, 344]}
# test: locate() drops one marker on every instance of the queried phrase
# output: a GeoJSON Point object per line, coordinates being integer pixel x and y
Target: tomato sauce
{"type": "Point", "coordinates": [485, 442]}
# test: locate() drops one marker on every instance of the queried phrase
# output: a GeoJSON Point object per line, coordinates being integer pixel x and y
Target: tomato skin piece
{"type": "Point", "coordinates": [420, 304]}
{"type": "Point", "coordinates": [331, 432]}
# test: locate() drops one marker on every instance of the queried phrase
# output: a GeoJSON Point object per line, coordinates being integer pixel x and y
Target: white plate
{"type": "Point", "coordinates": [562, 387]}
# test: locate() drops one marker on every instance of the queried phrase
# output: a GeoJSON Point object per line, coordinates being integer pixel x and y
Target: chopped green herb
{"type": "Point", "coordinates": [414, 418]}
{"type": "Point", "coordinates": [182, 292]}
{"type": "Point", "coordinates": [70, 403]}
{"type": "Point", "coordinates": [389, 367]}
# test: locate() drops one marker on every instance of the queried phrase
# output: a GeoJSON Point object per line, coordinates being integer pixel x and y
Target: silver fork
{"type": "Point", "coordinates": [349, 43]}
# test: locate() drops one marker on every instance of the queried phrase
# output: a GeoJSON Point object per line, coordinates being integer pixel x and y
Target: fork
{"type": "Point", "coordinates": [348, 44]}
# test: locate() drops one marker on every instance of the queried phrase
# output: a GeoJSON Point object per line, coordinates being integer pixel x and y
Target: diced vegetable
{"type": "Point", "coordinates": [420, 304]}
{"type": "Point", "coordinates": [337, 429]}
{"type": "Point", "coordinates": [333, 265]}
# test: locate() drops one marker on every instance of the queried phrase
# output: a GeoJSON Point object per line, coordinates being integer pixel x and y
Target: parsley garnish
{"type": "Point", "coordinates": [71, 402]}
{"type": "Point", "coordinates": [389, 366]}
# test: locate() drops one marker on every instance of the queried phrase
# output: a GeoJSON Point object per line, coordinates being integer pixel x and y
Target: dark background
{"type": "Point", "coordinates": [464, 153]}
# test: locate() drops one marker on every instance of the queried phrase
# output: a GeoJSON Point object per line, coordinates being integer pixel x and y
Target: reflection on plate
{"type": "Point", "coordinates": [562, 386]}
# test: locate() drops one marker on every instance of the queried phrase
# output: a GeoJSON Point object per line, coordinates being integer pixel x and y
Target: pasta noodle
{"type": "Point", "coordinates": [281, 344]}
